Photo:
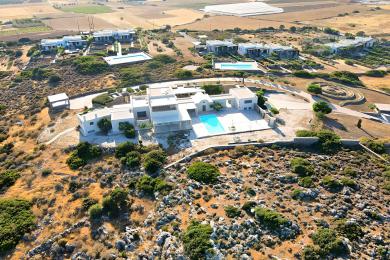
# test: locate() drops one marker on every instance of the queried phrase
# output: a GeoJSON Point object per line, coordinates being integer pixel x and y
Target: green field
{"type": "Point", "coordinates": [35, 29]}
{"type": "Point", "coordinates": [88, 9]}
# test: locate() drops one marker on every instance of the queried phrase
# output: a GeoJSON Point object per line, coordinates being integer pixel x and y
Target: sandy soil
{"type": "Point", "coordinates": [376, 83]}
{"type": "Point", "coordinates": [183, 44]}
{"type": "Point", "coordinates": [8, 12]}
{"type": "Point", "coordinates": [178, 17]}
{"type": "Point", "coordinates": [74, 22]}
{"type": "Point", "coordinates": [230, 22]}
{"type": "Point", "coordinates": [154, 45]}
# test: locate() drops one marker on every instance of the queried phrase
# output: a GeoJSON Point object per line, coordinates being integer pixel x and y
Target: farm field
{"type": "Point", "coordinates": [8, 12]}
{"type": "Point", "coordinates": [87, 9]}
{"type": "Point", "coordinates": [20, 31]}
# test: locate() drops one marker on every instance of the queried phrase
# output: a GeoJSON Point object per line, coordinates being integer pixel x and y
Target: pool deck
{"type": "Point", "coordinates": [242, 120]}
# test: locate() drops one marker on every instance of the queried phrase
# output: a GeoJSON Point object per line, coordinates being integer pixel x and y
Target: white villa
{"type": "Point", "coordinates": [170, 108]}
{"type": "Point", "coordinates": [260, 50]}
{"type": "Point", "coordinates": [67, 42]}
{"type": "Point", "coordinates": [221, 47]}
{"type": "Point", "coordinates": [356, 43]}
{"type": "Point", "coordinates": [110, 36]}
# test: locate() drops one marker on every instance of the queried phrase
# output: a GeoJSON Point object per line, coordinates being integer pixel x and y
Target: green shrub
{"type": "Point", "coordinates": [151, 185]}
{"type": "Point", "coordinates": [248, 206]}
{"type": "Point", "coordinates": [158, 155]}
{"type": "Point", "coordinates": [350, 172]}
{"type": "Point", "coordinates": [127, 129]}
{"type": "Point", "coordinates": [232, 212]}
{"type": "Point", "coordinates": [203, 172]}
{"type": "Point", "coordinates": [90, 65]}
{"type": "Point", "coordinates": [301, 167]}
{"type": "Point", "coordinates": [274, 110]}
{"type": "Point", "coordinates": [296, 193]}
{"type": "Point", "coordinates": [196, 240]}
{"type": "Point", "coordinates": [82, 154]}
{"type": "Point", "coordinates": [311, 253]}
{"type": "Point", "coordinates": [164, 59]}
{"type": "Point", "coordinates": [104, 125]}
{"type": "Point", "coordinates": [345, 77]}
{"type": "Point", "coordinates": [115, 203]}
{"type": "Point", "coordinates": [351, 230]}
{"type": "Point", "coordinates": [213, 89]}
{"type": "Point", "coordinates": [329, 141]}
{"type": "Point", "coordinates": [216, 106]}
{"type": "Point", "coordinates": [306, 182]}
{"type": "Point", "coordinates": [8, 178]}
{"type": "Point", "coordinates": [95, 212]}
{"type": "Point", "coordinates": [331, 183]}
{"type": "Point", "coordinates": [183, 74]}
{"type": "Point", "coordinates": [374, 145]}
{"type": "Point", "coordinates": [102, 99]}
{"type": "Point", "coordinates": [261, 99]}
{"type": "Point", "coordinates": [16, 219]}
{"type": "Point", "coordinates": [269, 217]}
{"type": "Point", "coordinates": [124, 148]}
{"type": "Point", "coordinates": [322, 107]}
{"type": "Point", "coordinates": [152, 166]}
{"type": "Point", "coordinates": [46, 172]}
{"type": "Point", "coordinates": [54, 79]}
{"type": "Point", "coordinates": [314, 88]}
{"type": "Point", "coordinates": [132, 159]}
{"type": "Point", "coordinates": [303, 74]}
{"type": "Point", "coordinates": [305, 133]}
{"type": "Point", "coordinates": [376, 73]}
{"type": "Point", "coordinates": [348, 182]}
{"type": "Point", "coordinates": [328, 242]}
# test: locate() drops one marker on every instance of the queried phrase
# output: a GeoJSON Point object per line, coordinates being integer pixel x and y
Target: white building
{"type": "Point", "coordinates": [166, 109]}
{"type": "Point", "coordinates": [356, 43]}
{"type": "Point", "coordinates": [110, 36]}
{"type": "Point", "coordinates": [58, 101]}
{"type": "Point", "coordinates": [260, 50]}
{"type": "Point", "coordinates": [67, 42]}
{"type": "Point", "coordinates": [221, 47]}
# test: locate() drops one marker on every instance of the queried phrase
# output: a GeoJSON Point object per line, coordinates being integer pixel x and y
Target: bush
{"type": "Point", "coordinates": [296, 193]}
{"type": "Point", "coordinates": [303, 74]}
{"type": "Point", "coordinates": [104, 125]}
{"type": "Point", "coordinates": [301, 167]}
{"type": "Point", "coordinates": [196, 240]}
{"type": "Point", "coordinates": [124, 148]}
{"type": "Point", "coordinates": [349, 229]}
{"type": "Point", "coordinates": [216, 106]}
{"type": "Point", "coordinates": [350, 172]}
{"type": "Point", "coordinates": [116, 202]}
{"type": "Point", "coordinates": [151, 185]}
{"type": "Point", "coordinates": [95, 212]}
{"type": "Point", "coordinates": [345, 77]}
{"type": "Point", "coordinates": [203, 172]}
{"type": "Point", "coordinates": [102, 99]}
{"type": "Point", "coordinates": [322, 107]}
{"type": "Point", "coordinates": [90, 65]}
{"type": "Point", "coordinates": [152, 166]}
{"type": "Point", "coordinates": [305, 133]}
{"type": "Point", "coordinates": [54, 79]}
{"type": "Point", "coordinates": [183, 74]}
{"type": "Point", "coordinates": [132, 159]}
{"type": "Point", "coordinates": [311, 253]}
{"type": "Point", "coordinates": [163, 58]}
{"type": "Point", "coordinates": [328, 242]}
{"type": "Point", "coordinates": [376, 73]}
{"type": "Point", "coordinates": [8, 178]}
{"type": "Point", "coordinates": [158, 155]}
{"type": "Point", "coordinates": [127, 129]}
{"type": "Point", "coordinates": [82, 154]}
{"type": "Point", "coordinates": [46, 172]}
{"type": "Point", "coordinates": [306, 182]}
{"type": "Point", "coordinates": [248, 206]}
{"type": "Point", "coordinates": [16, 219]}
{"type": "Point", "coordinates": [330, 183]}
{"type": "Point", "coordinates": [271, 218]}
{"type": "Point", "coordinates": [348, 182]}
{"type": "Point", "coordinates": [374, 145]}
{"type": "Point", "coordinates": [232, 212]}
{"type": "Point", "coordinates": [329, 141]}
{"type": "Point", "coordinates": [314, 88]}
{"type": "Point", "coordinates": [261, 99]}
{"type": "Point", "coordinates": [213, 89]}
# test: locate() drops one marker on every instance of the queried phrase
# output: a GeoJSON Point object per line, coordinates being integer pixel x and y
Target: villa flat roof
{"type": "Point", "coordinates": [348, 42]}
{"type": "Point", "coordinates": [160, 92]}
{"type": "Point", "coordinates": [220, 43]}
{"type": "Point", "coordinates": [163, 101]}
{"type": "Point", "coordinates": [138, 102]}
{"type": "Point", "coordinates": [105, 33]}
{"type": "Point", "coordinates": [242, 92]}
{"type": "Point", "coordinates": [383, 107]}
{"type": "Point", "coordinates": [183, 90]}
{"type": "Point", "coordinates": [98, 113]}
{"type": "Point", "coordinates": [57, 97]}
{"type": "Point", "coordinates": [120, 113]}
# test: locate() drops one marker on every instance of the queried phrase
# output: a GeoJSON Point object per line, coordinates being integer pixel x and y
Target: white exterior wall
{"type": "Point", "coordinates": [242, 50]}
{"type": "Point", "coordinates": [199, 106]}
{"type": "Point", "coordinates": [90, 126]}
{"type": "Point", "coordinates": [243, 106]}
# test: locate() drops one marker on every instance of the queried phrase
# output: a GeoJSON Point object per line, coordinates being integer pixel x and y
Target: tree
{"type": "Point", "coordinates": [196, 240]}
{"type": "Point", "coordinates": [359, 123]}
{"type": "Point", "coordinates": [322, 107]}
{"type": "Point", "coordinates": [261, 99]}
{"type": "Point", "coordinates": [95, 212]}
{"type": "Point", "coordinates": [314, 88]}
{"type": "Point", "coordinates": [127, 129]}
{"type": "Point", "coordinates": [105, 125]}
{"type": "Point", "coordinates": [203, 172]}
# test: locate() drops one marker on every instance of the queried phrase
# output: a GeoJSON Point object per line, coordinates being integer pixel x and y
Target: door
{"type": "Point", "coordinates": [204, 108]}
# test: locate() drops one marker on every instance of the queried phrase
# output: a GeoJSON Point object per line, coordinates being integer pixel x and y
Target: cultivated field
{"type": "Point", "coordinates": [8, 12]}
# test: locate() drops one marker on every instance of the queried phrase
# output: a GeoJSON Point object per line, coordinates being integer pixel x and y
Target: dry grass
{"type": "Point", "coordinates": [26, 11]}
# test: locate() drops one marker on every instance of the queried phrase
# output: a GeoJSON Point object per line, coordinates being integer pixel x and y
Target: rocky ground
{"type": "Point", "coordinates": [153, 226]}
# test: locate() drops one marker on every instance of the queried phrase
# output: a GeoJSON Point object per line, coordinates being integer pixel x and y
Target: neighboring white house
{"type": "Point", "coordinates": [110, 36]}
{"type": "Point", "coordinates": [356, 43]}
{"type": "Point", "coordinates": [260, 50]}
{"type": "Point", "coordinates": [58, 101]}
{"type": "Point", "coordinates": [166, 109]}
{"type": "Point", "coordinates": [221, 47]}
{"type": "Point", "coordinates": [68, 42]}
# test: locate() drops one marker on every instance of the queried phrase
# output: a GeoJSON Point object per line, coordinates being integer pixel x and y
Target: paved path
{"type": "Point", "coordinates": [60, 134]}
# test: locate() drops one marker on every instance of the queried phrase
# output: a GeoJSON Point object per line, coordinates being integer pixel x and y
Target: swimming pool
{"type": "Point", "coordinates": [236, 66]}
{"type": "Point", "coordinates": [128, 58]}
{"type": "Point", "coordinates": [212, 124]}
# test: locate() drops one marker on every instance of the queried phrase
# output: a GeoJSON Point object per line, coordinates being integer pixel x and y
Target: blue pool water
{"type": "Point", "coordinates": [237, 66]}
{"type": "Point", "coordinates": [212, 124]}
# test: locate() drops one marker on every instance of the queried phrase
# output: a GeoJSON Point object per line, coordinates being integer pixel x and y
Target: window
{"type": "Point", "coordinates": [91, 123]}
{"type": "Point", "coordinates": [164, 108]}
{"type": "Point", "coordinates": [142, 114]}
{"type": "Point", "coordinates": [248, 101]}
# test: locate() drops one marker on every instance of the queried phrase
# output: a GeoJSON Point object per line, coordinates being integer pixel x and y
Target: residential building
{"type": "Point", "coordinates": [166, 109]}
{"type": "Point", "coordinates": [221, 47]}
{"type": "Point", "coordinates": [346, 45]}
{"type": "Point", "coordinates": [110, 36]}
{"type": "Point", "coordinates": [67, 42]}
{"type": "Point", "coordinates": [260, 50]}
{"type": "Point", "coordinates": [58, 102]}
